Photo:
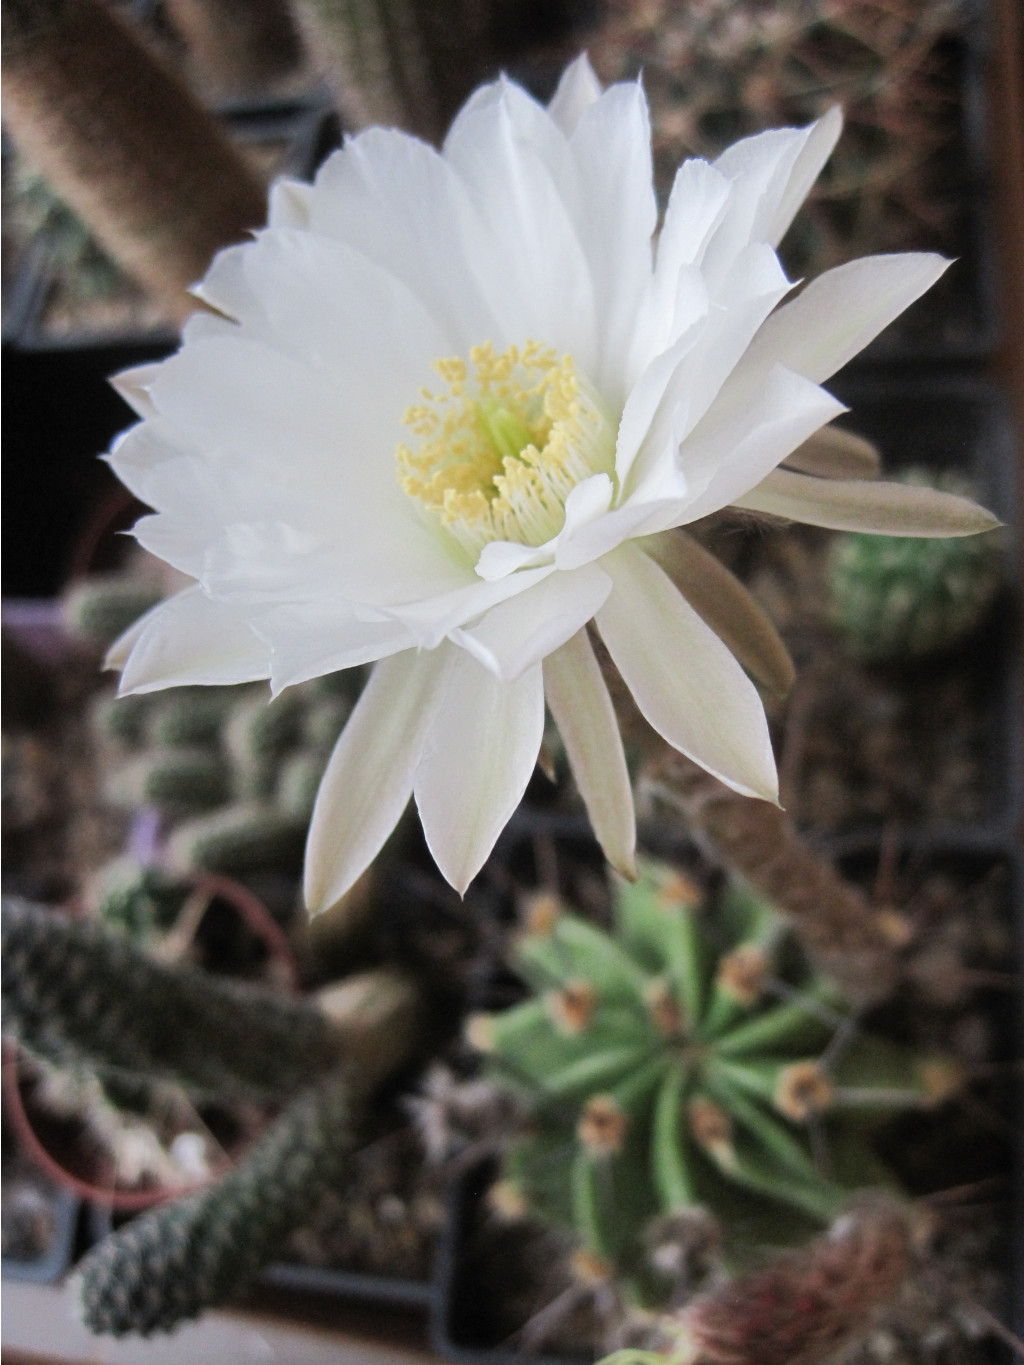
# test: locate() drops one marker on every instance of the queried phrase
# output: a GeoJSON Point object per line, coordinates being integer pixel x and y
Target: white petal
{"type": "Point", "coordinates": [840, 312]}
{"type": "Point", "coordinates": [369, 777]}
{"type": "Point", "coordinates": [582, 709]}
{"type": "Point", "coordinates": [480, 754]}
{"type": "Point", "coordinates": [725, 461]}
{"type": "Point", "coordinates": [431, 618]}
{"type": "Point", "coordinates": [189, 639]}
{"type": "Point", "coordinates": [755, 285]}
{"type": "Point", "coordinates": [892, 509]}
{"type": "Point", "coordinates": [519, 633]}
{"type": "Point", "coordinates": [537, 279]}
{"type": "Point", "coordinates": [399, 204]}
{"type": "Point", "coordinates": [683, 679]}
{"type": "Point", "coordinates": [291, 204]}
{"type": "Point", "coordinates": [133, 385]}
{"type": "Point", "coordinates": [577, 91]}
{"type": "Point", "coordinates": [618, 215]}
{"type": "Point", "coordinates": [307, 640]}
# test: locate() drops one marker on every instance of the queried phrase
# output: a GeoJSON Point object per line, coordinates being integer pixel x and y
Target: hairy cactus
{"type": "Point", "coordinates": [77, 993]}
{"type": "Point", "coordinates": [719, 70]}
{"type": "Point", "coordinates": [899, 597]}
{"type": "Point", "coordinates": [685, 1061]}
{"type": "Point", "coordinates": [103, 606]}
{"type": "Point", "coordinates": [799, 1308]}
{"type": "Point", "coordinates": [169, 1264]}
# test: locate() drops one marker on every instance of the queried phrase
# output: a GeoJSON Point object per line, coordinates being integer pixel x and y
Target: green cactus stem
{"type": "Point", "coordinates": [103, 606]}
{"type": "Point", "coordinates": [168, 1265]}
{"type": "Point", "coordinates": [687, 1059]}
{"type": "Point", "coordinates": [238, 840]}
{"type": "Point", "coordinates": [78, 993]}
{"type": "Point", "coordinates": [901, 598]}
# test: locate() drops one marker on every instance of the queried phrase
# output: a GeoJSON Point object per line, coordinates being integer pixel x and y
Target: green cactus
{"type": "Point", "coordinates": [103, 606]}
{"type": "Point", "coordinates": [898, 598]}
{"type": "Point", "coordinates": [168, 1265]}
{"type": "Point", "coordinates": [680, 1062]}
{"type": "Point", "coordinates": [139, 899]}
{"type": "Point", "coordinates": [77, 993]}
{"type": "Point", "coordinates": [237, 840]}
{"type": "Point", "coordinates": [180, 781]}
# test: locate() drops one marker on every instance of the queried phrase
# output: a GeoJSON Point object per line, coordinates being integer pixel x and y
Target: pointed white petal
{"type": "Point", "coordinates": [577, 91]}
{"type": "Point", "coordinates": [728, 460]}
{"type": "Point", "coordinates": [582, 709]}
{"type": "Point", "coordinates": [817, 146]}
{"type": "Point", "coordinates": [479, 756]}
{"type": "Point", "coordinates": [306, 640]}
{"type": "Point", "coordinates": [723, 603]}
{"type": "Point", "coordinates": [834, 453]}
{"type": "Point", "coordinates": [432, 618]}
{"type": "Point", "coordinates": [840, 312]}
{"type": "Point", "coordinates": [291, 204]}
{"type": "Point", "coordinates": [363, 196]}
{"type": "Point", "coordinates": [682, 677]}
{"type": "Point", "coordinates": [519, 633]}
{"type": "Point", "coordinates": [537, 279]}
{"type": "Point", "coordinates": [133, 386]}
{"type": "Point", "coordinates": [891, 509]}
{"type": "Point", "coordinates": [189, 639]}
{"type": "Point", "coordinates": [369, 777]}
{"type": "Point", "coordinates": [616, 219]}
{"type": "Point", "coordinates": [117, 655]}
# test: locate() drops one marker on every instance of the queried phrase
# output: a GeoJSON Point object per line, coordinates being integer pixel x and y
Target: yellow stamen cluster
{"type": "Point", "coordinates": [504, 447]}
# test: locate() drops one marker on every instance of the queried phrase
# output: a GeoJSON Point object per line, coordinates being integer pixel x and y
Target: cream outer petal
{"type": "Point", "coordinates": [582, 709]}
{"type": "Point", "coordinates": [891, 509]}
{"type": "Point", "coordinates": [684, 680]}
{"type": "Point", "coordinates": [480, 753]}
{"type": "Point", "coordinates": [369, 778]}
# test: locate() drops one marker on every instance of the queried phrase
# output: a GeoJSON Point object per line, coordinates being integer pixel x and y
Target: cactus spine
{"type": "Point", "coordinates": [678, 1063]}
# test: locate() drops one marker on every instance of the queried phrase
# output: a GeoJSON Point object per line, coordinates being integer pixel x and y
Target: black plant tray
{"type": "Point", "coordinates": [464, 1321]}
{"type": "Point", "coordinates": [49, 1267]}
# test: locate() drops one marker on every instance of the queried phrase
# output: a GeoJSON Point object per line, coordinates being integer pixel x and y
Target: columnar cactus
{"type": "Point", "coordinates": [76, 993]}
{"type": "Point", "coordinates": [171, 1263]}
{"type": "Point", "coordinates": [687, 1059]}
{"type": "Point", "coordinates": [902, 598]}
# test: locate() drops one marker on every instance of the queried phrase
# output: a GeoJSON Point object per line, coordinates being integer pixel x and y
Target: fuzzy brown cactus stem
{"type": "Point", "coordinates": [848, 939]}
{"type": "Point", "coordinates": [806, 1304]}
{"type": "Point", "coordinates": [124, 143]}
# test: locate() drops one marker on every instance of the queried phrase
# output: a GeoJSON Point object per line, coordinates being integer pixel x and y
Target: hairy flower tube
{"type": "Point", "coordinates": [446, 410]}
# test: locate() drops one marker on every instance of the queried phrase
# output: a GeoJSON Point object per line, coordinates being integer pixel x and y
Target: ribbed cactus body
{"type": "Point", "coordinates": [102, 607]}
{"type": "Point", "coordinates": [684, 1061]}
{"type": "Point", "coordinates": [166, 1266]}
{"type": "Point", "coordinates": [78, 993]}
{"type": "Point", "coordinates": [905, 597]}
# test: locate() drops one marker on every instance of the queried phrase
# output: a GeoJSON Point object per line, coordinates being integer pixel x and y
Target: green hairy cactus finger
{"type": "Point", "coordinates": [76, 992]}
{"type": "Point", "coordinates": [688, 1058]}
{"type": "Point", "coordinates": [166, 1266]}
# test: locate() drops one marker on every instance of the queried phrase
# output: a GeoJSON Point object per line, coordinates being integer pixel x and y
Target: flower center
{"type": "Point", "coordinates": [503, 448]}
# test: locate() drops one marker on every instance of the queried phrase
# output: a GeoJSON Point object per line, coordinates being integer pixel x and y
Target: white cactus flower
{"type": "Point", "coordinates": [446, 401]}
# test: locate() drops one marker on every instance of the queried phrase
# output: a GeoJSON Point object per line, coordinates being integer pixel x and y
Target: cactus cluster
{"type": "Point", "coordinates": [82, 996]}
{"type": "Point", "coordinates": [233, 773]}
{"type": "Point", "coordinates": [688, 1060]}
{"type": "Point", "coordinates": [722, 69]}
{"type": "Point", "coordinates": [896, 598]}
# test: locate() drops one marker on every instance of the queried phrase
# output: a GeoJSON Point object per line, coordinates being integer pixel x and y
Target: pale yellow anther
{"type": "Point", "coordinates": [518, 431]}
